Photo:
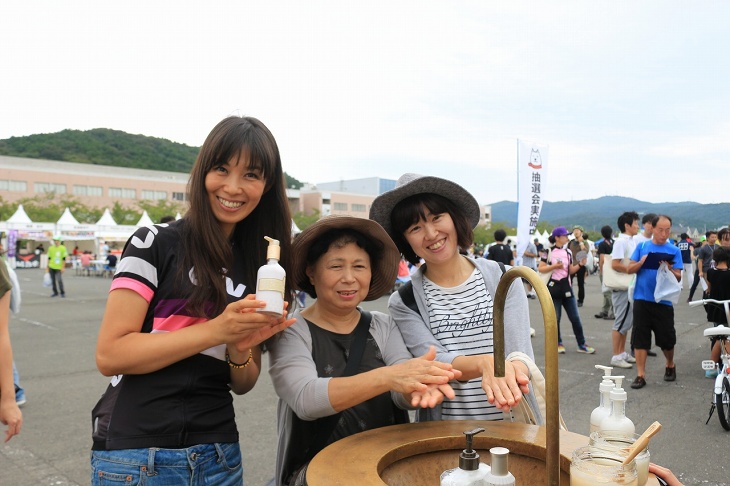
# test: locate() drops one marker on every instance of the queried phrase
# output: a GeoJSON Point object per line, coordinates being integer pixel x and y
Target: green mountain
{"type": "Point", "coordinates": [103, 146]}
{"type": "Point", "coordinates": [592, 214]}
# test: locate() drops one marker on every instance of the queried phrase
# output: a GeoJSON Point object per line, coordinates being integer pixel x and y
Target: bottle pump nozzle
{"type": "Point", "coordinates": [469, 458]}
{"type": "Point", "coordinates": [618, 380]}
{"type": "Point", "coordinates": [606, 370]}
{"type": "Point", "coordinates": [273, 250]}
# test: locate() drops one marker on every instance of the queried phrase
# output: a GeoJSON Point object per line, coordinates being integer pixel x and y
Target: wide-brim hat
{"type": "Point", "coordinates": [411, 184]}
{"type": "Point", "coordinates": [384, 272]}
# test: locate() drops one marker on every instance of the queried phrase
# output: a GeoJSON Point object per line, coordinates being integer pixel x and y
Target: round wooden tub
{"type": "Point", "coordinates": [417, 454]}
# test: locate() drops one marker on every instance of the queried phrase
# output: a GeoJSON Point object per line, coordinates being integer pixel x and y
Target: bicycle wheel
{"type": "Point", "coordinates": [722, 402]}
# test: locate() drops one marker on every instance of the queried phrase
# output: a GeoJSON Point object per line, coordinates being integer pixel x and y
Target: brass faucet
{"type": "Point", "coordinates": [552, 405]}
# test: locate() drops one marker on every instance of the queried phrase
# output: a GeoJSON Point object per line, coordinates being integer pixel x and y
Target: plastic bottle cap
{"type": "Point", "coordinates": [273, 250]}
{"type": "Point", "coordinates": [500, 459]}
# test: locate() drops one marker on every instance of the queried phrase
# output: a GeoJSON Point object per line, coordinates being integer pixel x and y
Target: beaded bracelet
{"type": "Point", "coordinates": [238, 366]}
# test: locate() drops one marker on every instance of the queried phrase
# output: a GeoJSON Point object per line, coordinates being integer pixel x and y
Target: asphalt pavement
{"type": "Point", "coordinates": [54, 339]}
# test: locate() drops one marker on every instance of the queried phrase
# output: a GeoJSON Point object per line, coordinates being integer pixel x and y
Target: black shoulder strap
{"type": "Point", "coordinates": [406, 295]}
{"type": "Point", "coordinates": [406, 291]}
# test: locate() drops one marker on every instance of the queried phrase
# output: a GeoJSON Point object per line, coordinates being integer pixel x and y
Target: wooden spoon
{"type": "Point", "coordinates": [642, 442]}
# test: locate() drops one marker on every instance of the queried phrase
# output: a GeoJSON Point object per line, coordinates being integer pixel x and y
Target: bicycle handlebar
{"type": "Point", "coordinates": [695, 303]}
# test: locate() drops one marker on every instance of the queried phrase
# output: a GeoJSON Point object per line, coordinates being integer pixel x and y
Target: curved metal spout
{"type": "Point", "coordinates": [552, 438]}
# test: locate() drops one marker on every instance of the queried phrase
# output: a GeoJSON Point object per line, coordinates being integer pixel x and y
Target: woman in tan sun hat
{"type": "Point", "coordinates": [341, 261]}
{"type": "Point", "coordinates": [450, 303]}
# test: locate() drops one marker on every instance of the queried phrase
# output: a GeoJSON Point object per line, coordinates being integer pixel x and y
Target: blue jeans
{"type": "Point", "coordinates": [19, 392]}
{"type": "Point", "coordinates": [204, 464]}
{"type": "Point", "coordinates": [571, 308]}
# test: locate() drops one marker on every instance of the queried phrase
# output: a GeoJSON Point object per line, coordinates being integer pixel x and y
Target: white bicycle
{"type": "Point", "coordinates": [721, 391]}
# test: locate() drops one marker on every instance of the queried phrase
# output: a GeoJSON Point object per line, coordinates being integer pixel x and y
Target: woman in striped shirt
{"type": "Point", "coordinates": [450, 304]}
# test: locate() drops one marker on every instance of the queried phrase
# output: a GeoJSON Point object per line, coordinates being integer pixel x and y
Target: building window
{"type": "Point", "coordinates": [15, 186]}
{"type": "Point", "coordinates": [360, 208]}
{"type": "Point", "coordinates": [154, 195]}
{"type": "Point", "coordinates": [41, 187]}
{"type": "Point", "coordinates": [340, 206]}
{"type": "Point", "coordinates": [122, 193]}
{"type": "Point", "coordinates": [178, 196]}
{"type": "Point", "coordinates": [88, 191]}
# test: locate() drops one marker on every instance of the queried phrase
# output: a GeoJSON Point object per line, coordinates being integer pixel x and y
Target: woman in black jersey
{"type": "Point", "coordinates": [180, 331]}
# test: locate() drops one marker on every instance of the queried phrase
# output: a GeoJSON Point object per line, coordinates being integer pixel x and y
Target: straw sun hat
{"type": "Point", "coordinates": [412, 184]}
{"type": "Point", "coordinates": [384, 271]}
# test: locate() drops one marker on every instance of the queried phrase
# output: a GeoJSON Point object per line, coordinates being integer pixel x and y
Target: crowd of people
{"type": "Point", "coordinates": [181, 329]}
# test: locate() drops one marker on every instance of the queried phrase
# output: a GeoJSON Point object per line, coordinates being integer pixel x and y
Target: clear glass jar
{"type": "Point", "coordinates": [619, 443]}
{"type": "Point", "coordinates": [592, 466]}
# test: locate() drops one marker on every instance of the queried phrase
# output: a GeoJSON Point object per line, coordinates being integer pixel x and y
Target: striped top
{"type": "Point", "coordinates": [461, 319]}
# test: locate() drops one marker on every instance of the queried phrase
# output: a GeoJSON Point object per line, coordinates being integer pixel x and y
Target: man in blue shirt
{"type": "Point", "coordinates": [649, 315]}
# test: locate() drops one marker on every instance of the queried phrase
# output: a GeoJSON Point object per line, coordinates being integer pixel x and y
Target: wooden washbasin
{"type": "Point", "coordinates": [417, 454]}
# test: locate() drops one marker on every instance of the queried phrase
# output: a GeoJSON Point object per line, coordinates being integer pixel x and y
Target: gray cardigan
{"type": "Point", "coordinates": [416, 331]}
{"type": "Point", "coordinates": [301, 391]}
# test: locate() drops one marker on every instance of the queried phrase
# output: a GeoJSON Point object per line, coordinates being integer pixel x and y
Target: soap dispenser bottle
{"type": "Point", "coordinates": [499, 475]}
{"type": "Point", "coordinates": [270, 281]}
{"type": "Point", "coordinates": [618, 421]}
{"type": "Point", "coordinates": [603, 410]}
{"type": "Point", "coordinates": [470, 472]}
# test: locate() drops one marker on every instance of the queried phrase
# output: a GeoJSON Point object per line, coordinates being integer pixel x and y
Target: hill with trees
{"type": "Point", "coordinates": [103, 146]}
{"type": "Point", "coordinates": [592, 214]}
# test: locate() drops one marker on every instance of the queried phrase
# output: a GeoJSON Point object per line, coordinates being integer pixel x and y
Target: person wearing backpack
{"type": "Point", "coordinates": [560, 262]}
{"type": "Point", "coordinates": [449, 303]}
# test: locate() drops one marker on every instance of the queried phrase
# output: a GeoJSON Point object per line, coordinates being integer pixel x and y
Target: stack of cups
{"type": "Point", "coordinates": [594, 466]}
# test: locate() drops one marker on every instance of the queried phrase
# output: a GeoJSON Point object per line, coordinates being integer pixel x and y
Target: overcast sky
{"type": "Point", "coordinates": [632, 98]}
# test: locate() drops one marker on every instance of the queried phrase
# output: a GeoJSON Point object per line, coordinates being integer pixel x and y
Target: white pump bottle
{"type": "Point", "coordinates": [603, 410]}
{"type": "Point", "coordinates": [270, 281]}
{"type": "Point", "coordinates": [470, 472]}
{"type": "Point", "coordinates": [618, 421]}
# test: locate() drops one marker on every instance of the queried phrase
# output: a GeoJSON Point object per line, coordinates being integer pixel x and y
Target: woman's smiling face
{"type": "Point", "coordinates": [234, 190]}
{"type": "Point", "coordinates": [433, 238]}
{"type": "Point", "coordinates": [341, 277]}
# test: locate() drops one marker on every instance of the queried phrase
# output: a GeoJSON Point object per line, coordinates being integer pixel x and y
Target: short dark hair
{"type": "Point", "coordinates": [720, 254]}
{"type": "Point", "coordinates": [337, 237]}
{"type": "Point", "coordinates": [721, 234]}
{"type": "Point", "coordinates": [607, 232]}
{"type": "Point", "coordinates": [648, 218]}
{"type": "Point", "coordinates": [711, 232]}
{"type": "Point", "coordinates": [500, 235]}
{"type": "Point", "coordinates": [657, 217]}
{"type": "Point", "coordinates": [626, 218]}
{"type": "Point", "coordinates": [684, 236]}
{"type": "Point", "coordinates": [412, 209]}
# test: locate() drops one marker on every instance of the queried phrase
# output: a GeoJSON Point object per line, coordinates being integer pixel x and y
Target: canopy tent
{"type": "Point", "coordinates": [69, 229]}
{"type": "Point", "coordinates": [106, 219]}
{"type": "Point", "coordinates": [20, 216]}
{"type": "Point", "coordinates": [25, 229]}
{"type": "Point", "coordinates": [108, 230]}
{"type": "Point", "coordinates": [145, 220]}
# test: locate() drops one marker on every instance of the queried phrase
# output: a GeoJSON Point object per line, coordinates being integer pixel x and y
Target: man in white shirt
{"type": "Point", "coordinates": [623, 247]}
